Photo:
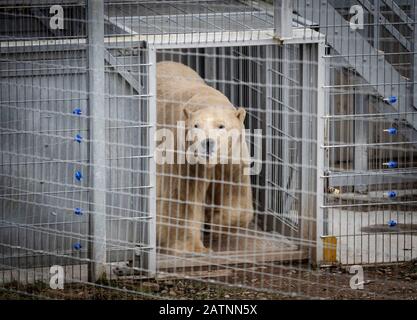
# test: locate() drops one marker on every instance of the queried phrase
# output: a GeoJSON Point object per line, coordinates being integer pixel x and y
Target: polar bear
{"type": "Point", "coordinates": [192, 193]}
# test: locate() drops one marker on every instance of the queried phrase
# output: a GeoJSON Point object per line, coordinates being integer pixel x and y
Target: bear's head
{"type": "Point", "coordinates": [215, 135]}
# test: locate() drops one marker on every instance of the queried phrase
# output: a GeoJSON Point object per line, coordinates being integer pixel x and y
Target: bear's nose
{"type": "Point", "coordinates": [208, 145]}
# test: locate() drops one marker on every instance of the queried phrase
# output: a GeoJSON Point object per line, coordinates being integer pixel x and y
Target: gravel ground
{"type": "Point", "coordinates": [281, 282]}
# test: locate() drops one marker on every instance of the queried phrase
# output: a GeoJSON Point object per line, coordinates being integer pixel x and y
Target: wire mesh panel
{"type": "Point", "coordinates": [129, 154]}
{"type": "Point", "coordinates": [49, 160]}
{"type": "Point", "coordinates": [284, 154]}
{"type": "Point", "coordinates": [44, 154]}
{"type": "Point", "coordinates": [199, 21]}
{"type": "Point", "coordinates": [369, 128]}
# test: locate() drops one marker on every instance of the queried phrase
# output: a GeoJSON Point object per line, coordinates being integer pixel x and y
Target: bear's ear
{"type": "Point", "coordinates": [240, 114]}
{"type": "Point", "coordinates": [187, 113]}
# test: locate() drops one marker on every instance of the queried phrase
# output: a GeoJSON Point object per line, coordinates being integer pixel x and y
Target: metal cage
{"type": "Point", "coordinates": [335, 105]}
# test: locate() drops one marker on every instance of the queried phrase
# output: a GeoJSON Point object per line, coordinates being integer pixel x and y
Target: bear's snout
{"type": "Point", "coordinates": [208, 145]}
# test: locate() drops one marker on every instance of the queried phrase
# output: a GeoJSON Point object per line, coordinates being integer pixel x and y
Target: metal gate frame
{"type": "Point", "coordinates": [312, 184]}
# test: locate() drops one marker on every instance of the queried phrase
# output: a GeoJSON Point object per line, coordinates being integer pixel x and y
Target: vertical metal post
{"type": "Point", "coordinates": [321, 111]}
{"type": "Point", "coordinates": [283, 18]}
{"type": "Point", "coordinates": [151, 259]}
{"type": "Point", "coordinates": [307, 183]}
{"type": "Point", "coordinates": [97, 218]}
{"type": "Point", "coordinates": [285, 127]}
{"type": "Point", "coordinates": [415, 56]}
{"type": "Point", "coordinates": [376, 12]}
{"type": "Point", "coordinates": [210, 66]}
{"type": "Point", "coordinates": [360, 161]}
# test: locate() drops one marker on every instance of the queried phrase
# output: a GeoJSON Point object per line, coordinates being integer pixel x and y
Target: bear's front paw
{"type": "Point", "coordinates": [197, 249]}
{"type": "Point", "coordinates": [202, 249]}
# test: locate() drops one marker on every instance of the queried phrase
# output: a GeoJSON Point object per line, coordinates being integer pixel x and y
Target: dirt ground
{"type": "Point", "coordinates": [280, 282]}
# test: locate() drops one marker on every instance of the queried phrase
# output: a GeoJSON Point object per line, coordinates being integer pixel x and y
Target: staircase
{"type": "Point", "coordinates": [368, 61]}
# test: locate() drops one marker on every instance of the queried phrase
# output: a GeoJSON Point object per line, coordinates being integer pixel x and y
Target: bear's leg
{"type": "Point", "coordinates": [186, 236]}
{"type": "Point", "coordinates": [232, 202]}
{"type": "Point", "coordinates": [229, 219]}
{"type": "Point", "coordinates": [180, 212]}
{"type": "Point", "coordinates": [195, 243]}
{"type": "Point", "coordinates": [173, 227]}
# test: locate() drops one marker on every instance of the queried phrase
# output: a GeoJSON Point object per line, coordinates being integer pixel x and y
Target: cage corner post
{"type": "Point", "coordinates": [320, 153]}
{"type": "Point", "coordinates": [151, 259]}
{"type": "Point", "coordinates": [283, 19]}
{"type": "Point", "coordinates": [96, 112]}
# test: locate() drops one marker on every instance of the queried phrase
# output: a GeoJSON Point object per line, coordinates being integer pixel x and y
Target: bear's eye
{"type": "Point", "coordinates": [196, 125]}
{"type": "Point", "coordinates": [221, 126]}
